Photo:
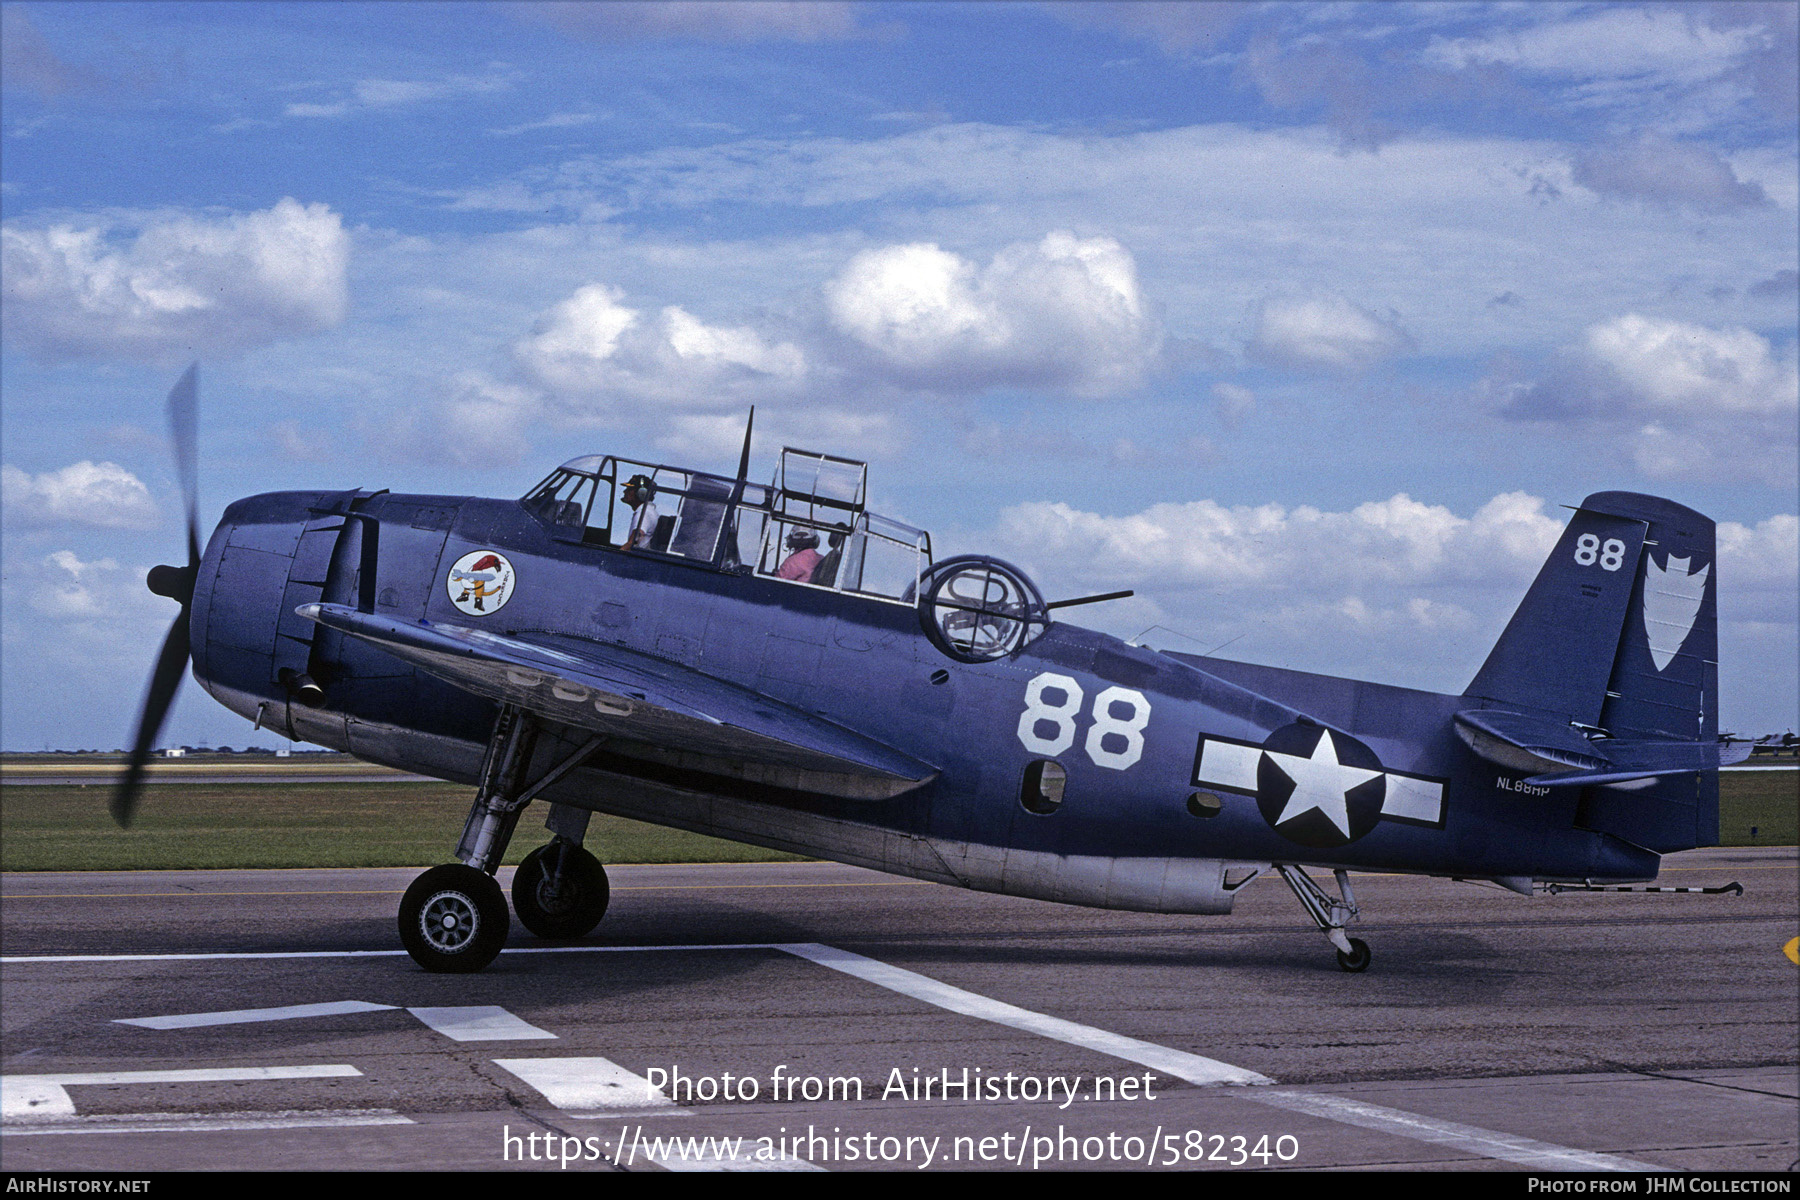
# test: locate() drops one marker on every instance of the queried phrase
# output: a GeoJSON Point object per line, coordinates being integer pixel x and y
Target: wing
{"type": "Point", "coordinates": [655, 708]}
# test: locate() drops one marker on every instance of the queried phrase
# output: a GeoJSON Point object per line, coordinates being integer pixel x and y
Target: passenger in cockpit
{"type": "Point", "coordinates": [804, 557]}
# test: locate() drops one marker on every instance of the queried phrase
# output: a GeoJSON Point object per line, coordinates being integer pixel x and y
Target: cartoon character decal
{"type": "Point", "coordinates": [480, 582]}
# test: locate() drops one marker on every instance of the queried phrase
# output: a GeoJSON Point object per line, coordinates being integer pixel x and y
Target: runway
{"type": "Point", "coordinates": [276, 1025]}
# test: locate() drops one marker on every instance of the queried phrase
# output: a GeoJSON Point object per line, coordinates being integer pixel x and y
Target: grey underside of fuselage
{"type": "Point", "coordinates": [1167, 885]}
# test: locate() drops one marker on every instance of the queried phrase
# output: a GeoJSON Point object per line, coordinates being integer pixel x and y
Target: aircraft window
{"type": "Point", "coordinates": [700, 517]}
{"type": "Point", "coordinates": [977, 609]}
{"type": "Point", "coordinates": [744, 538]}
{"type": "Point", "coordinates": [562, 500]}
{"type": "Point", "coordinates": [885, 558]}
{"type": "Point", "coordinates": [1042, 790]}
{"type": "Point", "coordinates": [1205, 804]}
{"type": "Point", "coordinates": [820, 479]}
{"type": "Point", "coordinates": [802, 551]}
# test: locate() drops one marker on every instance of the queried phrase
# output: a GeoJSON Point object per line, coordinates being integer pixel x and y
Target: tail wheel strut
{"type": "Point", "coordinates": [1330, 913]}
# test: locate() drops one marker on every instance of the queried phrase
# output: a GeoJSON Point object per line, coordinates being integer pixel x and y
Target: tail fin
{"type": "Point", "coordinates": [1619, 632]}
{"type": "Point", "coordinates": [1620, 629]}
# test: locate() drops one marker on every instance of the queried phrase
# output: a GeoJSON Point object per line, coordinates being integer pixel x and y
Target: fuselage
{"type": "Point", "coordinates": [1155, 808]}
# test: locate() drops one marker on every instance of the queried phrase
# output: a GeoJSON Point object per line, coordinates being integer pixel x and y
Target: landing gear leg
{"type": "Point", "coordinates": [453, 917]}
{"type": "Point", "coordinates": [434, 923]}
{"type": "Point", "coordinates": [1330, 914]}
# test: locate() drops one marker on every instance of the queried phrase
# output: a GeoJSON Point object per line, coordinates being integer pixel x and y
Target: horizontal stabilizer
{"type": "Point", "coordinates": [1626, 761]}
{"type": "Point", "coordinates": [1524, 742]}
{"type": "Point", "coordinates": [649, 707]}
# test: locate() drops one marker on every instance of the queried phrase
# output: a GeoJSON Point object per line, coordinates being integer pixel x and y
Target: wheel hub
{"type": "Point", "coordinates": [449, 921]}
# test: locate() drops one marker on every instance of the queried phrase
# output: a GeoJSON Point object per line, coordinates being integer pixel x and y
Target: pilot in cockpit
{"type": "Point", "coordinates": [640, 494]}
{"type": "Point", "coordinates": [804, 556]}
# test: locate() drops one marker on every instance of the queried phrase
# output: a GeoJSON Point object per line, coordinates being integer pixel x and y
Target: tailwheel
{"type": "Point", "coordinates": [453, 919]}
{"type": "Point", "coordinates": [1357, 959]}
{"type": "Point", "coordinates": [1330, 913]}
{"type": "Point", "coordinates": [560, 891]}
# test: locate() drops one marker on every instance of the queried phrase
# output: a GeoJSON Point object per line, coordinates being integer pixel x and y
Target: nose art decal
{"type": "Point", "coordinates": [480, 582]}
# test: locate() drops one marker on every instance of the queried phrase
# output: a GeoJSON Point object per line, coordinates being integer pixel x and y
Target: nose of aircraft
{"type": "Point", "coordinates": [257, 569]}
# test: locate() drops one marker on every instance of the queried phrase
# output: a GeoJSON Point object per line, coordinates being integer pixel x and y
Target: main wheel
{"type": "Point", "coordinates": [570, 909]}
{"type": "Point", "coordinates": [453, 918]}
{"type": "Point", "coordinates": [1357, 959]}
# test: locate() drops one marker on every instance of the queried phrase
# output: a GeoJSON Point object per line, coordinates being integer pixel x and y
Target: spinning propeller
{"type": "Point", "coordinates": [177, 583]}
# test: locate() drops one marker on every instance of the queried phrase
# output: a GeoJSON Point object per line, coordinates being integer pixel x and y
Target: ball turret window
{"type": "Point", "coordinates": [976, 609]}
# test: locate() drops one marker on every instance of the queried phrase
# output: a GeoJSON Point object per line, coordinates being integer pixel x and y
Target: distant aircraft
{"type": "Point", "coordinates": [930, 718]}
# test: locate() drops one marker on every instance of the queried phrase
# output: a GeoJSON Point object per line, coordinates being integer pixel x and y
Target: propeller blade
{"type": "Point", "coordinates": [177, 583]}
{"type": "Point", "coordinates": [184, 403]}
{"type": "Point", "coordinates": [171, 665]}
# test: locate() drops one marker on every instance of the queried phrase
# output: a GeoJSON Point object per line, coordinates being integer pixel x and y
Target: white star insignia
{"type": "Point", "coordinates": [1320, 782]}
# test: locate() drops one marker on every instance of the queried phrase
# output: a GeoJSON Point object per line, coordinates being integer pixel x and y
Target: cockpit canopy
{"type": "Point", "coordinates": [809, 526]}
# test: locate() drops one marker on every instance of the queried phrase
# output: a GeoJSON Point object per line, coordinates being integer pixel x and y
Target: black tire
{"type": "Point", "coordinates": [575, 907]}
{"type": "Point", "coordinates": [453, 919]}
{"type": "Point", "coordinates": [1357, 959]}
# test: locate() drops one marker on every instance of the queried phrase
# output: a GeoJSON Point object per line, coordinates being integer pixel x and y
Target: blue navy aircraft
{"type": "Point", "coordinates": [778, 665]}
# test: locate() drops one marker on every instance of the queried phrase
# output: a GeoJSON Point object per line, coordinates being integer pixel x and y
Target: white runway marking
{"type": "Point", "coordinates": [245, 1016]}
{"type": "Point", "coordinates": [1485, 1143]}
{"type": "Point", "coordinates": [38, 1096]}
{"type": "Point", "coordinates": [591, 1087]}
{"type": "Point", "coordinates": [480, 1023]}
{"type": "Point", "coordinates": [209, 1122]}
{"type": "Point", "coordinates": [1178, 1064]}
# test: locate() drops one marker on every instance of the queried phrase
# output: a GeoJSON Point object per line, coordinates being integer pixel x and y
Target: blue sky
{"type": "Point", "coordinates": [1300, 319]}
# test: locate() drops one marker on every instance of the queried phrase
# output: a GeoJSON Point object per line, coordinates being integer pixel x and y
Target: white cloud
{"type": "Point", "coordinates": [1679, 400]}
{"type": "Point", "coordinates": [316, 447]}
{"type": "Point", "coordinates": [1219, 217]}
{"type": "Point", "coordinates": [1394, 589]}
{"type": "Point", "coordinates": [705, 20]}
{"type": "Point", "coordinates": [367, 94]}
{"type": "Point", "coordinates": [1761, 559]}
{"type": "Point", "coordinates": [1652, 45]}
{"type": "Point", "coordinates": [1325, 332]}
{"type": "Point", "coordinates": [592, 352]}
{"type": "Point", "coordinates": [1394, 542]}
{"type": "Point", "coordinates": [1064, 312]}
{"type": "Point", "coordinates": [577, 334]}
{"type": "Point", "coordinates": [1664, 172]}
{"type": "Point", "coordinates": [1673, 366]}
{"type": "Point", "coordinates": [183, 285]}
{"type": "Point", "coordinates": [84, 493]}
{"type": "Point", "coordinates": [477, 422]}
{"type": "Point", "coordinates": [66, 589]}
{"type": "Point", "coordinates": [699, 438]}
{"type": "Point", "coordinates": [561, 120]}
{"type": "Point", "coordinates": [1235, 403]}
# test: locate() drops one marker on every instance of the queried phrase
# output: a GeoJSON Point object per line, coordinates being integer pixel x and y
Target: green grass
{"type": "Point", "coordinates": [205, 826]}
{"type": "Point", "coordinates": [1767, 800]}
{"type": "Point", "coordinates": [200, 826]}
